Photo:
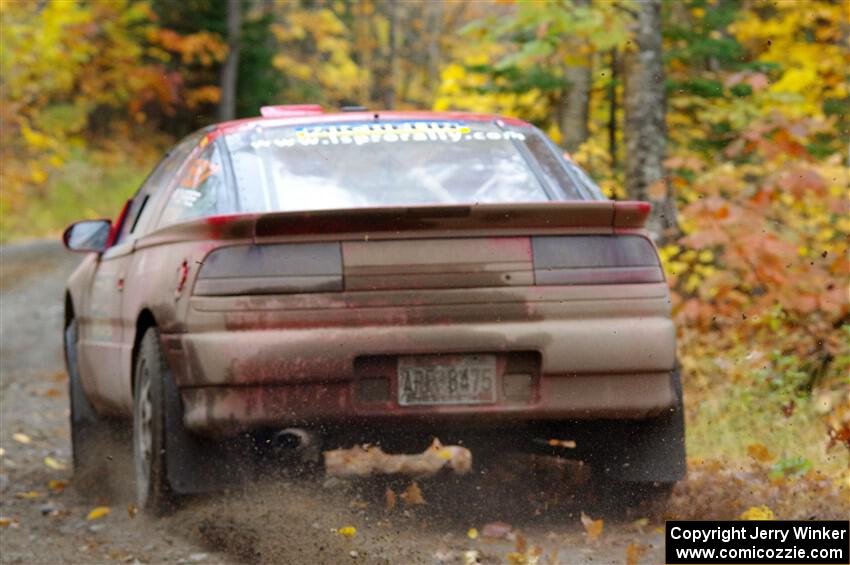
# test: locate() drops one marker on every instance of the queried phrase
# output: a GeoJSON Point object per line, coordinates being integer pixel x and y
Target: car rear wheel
{"type": "Point", "coordinates": [153, 492]}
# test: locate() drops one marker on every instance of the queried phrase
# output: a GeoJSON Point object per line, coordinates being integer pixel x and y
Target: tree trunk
{"type": "Point", "coordinates": [230, 69]}
{"type": "Point", "coordinates": [435, 25]}
{"type": "Point", "coordinates": [390, 80]}
{"type": "Point", "coordinates": [612, 111]}
{"type": "Point", "coordinates": [645, 129]}
{"type": "Point", "coordinates": [574, 104]}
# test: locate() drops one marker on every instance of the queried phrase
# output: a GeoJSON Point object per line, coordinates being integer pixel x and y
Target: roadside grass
{"type": "Point", "coordinates": [724, 420]}
{"type": "Point", "coordinates": [85, 187]}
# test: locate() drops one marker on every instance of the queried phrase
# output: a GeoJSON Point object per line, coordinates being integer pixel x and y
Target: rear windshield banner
{"type": "Point", "coordinates": [386, 132]}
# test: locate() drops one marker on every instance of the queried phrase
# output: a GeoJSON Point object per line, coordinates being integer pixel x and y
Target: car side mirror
{"type": "Point", "coordinates": [88, 236]}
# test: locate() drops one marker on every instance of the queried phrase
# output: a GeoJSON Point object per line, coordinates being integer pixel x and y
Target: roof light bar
{"type": "Point", "coordinates": [290, 110]}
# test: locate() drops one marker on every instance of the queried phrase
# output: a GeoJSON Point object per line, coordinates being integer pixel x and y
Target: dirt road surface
{"type": "Point", "coordinates": [285, 520]}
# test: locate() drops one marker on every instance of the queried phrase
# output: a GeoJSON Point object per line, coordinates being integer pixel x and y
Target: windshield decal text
{"type": "Point", "coordinates": [391, 132]}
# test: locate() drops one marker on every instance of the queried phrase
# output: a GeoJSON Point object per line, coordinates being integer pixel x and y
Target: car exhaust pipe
{"type": "Point", "coordinates": [298, 441]}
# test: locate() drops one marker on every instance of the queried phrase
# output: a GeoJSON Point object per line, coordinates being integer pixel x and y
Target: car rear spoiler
{"type": "Point", "coordinates": [448, 219]}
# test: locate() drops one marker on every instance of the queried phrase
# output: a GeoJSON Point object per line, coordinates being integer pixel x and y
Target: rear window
{"type": "Point", "coordinates": [396, 163]}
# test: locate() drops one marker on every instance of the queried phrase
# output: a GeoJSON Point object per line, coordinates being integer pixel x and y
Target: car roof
{"type": "Point", "coordinates": [297, 117]}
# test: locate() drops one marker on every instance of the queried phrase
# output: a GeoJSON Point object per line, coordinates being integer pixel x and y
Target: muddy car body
{"type": "Point", "coordinates": [435, 273]}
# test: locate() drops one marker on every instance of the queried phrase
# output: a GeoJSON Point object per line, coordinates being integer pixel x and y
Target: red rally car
{"type": "Point", "coordinates": [380, 277]}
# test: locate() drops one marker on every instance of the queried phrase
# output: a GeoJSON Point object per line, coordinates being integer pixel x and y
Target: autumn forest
{"type": "Point", "coordinates": [731, 116]}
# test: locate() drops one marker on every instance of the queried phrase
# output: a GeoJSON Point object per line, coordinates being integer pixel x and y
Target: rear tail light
{"type": "Point", "coordinates": [318, 267]}
{"type": "Point", "coordinates": [271, 269]}
{"type": "Point", "coordinates": [595, 259]}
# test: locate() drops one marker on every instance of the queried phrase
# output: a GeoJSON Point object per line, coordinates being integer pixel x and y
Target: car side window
{"type": "Point", "coordinates": [200, 190]}
{"type": "Point", "coordinates": [575, 184]}
{"type": "Point", "coordinates": [139, 214]}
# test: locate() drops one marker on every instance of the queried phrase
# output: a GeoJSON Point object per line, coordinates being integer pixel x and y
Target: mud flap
{"type": "Point", "coordinates": [651, 451]}
{"type": "Point", "coordinates": [89, 432]}
{"type": "Point", "coordinates": [83, 415]}
{"type": "Point", "coordinates": [196, 465]}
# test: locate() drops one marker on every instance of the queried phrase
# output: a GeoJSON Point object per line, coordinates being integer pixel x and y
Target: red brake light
{"type": "Point", "coordinates": [271, 269]}
{"type": "Point", "coordinates": [595, 259]}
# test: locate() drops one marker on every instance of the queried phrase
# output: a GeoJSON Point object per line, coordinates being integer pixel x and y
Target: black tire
{"type": "Point", "coordinates": [153, 492]}
{"type": "Point", "coordinates": [89, 432]}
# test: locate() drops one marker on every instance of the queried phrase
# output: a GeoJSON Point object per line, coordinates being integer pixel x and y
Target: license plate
{"type": "Point", "coordinates": [449, 379]}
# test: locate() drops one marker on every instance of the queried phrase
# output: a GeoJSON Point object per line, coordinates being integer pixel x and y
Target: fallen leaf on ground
{"type": "Point", "coordinates": [758, 513]}
{"type": "Point", "coordinates": [21, 438]}
{"type": "Point", "coordinates": [98, 512]}
{"type": "Point", "coordinates": [359, 504]}
{"type": "Point", "coordinates": [347, 532]}
{"type": "Point", "coordinates": [760, 453]}
{"type": "Point", "coordinates": [412, 496]}
{"type": "Point", "coordinates": [592, 527]}
{"type": "Point", "coordinates": [28, 495]}
{"type": "Point", "coordinates": [496, 530]}
{"type": "Point", "coordinates": [57, 485]}
{"type": "Point", "coordinates": [634, 552]}
{"type": "Point", "coordinates": [5, 522]}
{"type": "Point", "coordinates": [132, 510]}
{"type": "Point", "coordinates": [52, 393]}
{"type": "Point", "coordinates": [472, 533]}
{"type": "Point", "coordinates": [391, 498]}
{"type": "Point", "coordinates": [54, 464]}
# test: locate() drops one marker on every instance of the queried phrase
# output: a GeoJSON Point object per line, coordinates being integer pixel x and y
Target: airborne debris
{"type": "Point", "coordinates": [412, 496]}
{"type": "Point", "coordinates": [366, 460]}
{"type": "Point", "coordinates": [593, 528]}
{"type": "Point", "coordinates": [496, 530]}
{"type": "Point", "coordinates": [391, 498]}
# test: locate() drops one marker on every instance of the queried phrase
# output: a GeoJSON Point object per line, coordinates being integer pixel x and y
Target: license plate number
{"type": "Point", "coordinates": [451, 379]}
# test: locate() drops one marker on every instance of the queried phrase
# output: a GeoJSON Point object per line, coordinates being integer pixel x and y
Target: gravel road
{"type": "Point", "coordinates": [533, 507]}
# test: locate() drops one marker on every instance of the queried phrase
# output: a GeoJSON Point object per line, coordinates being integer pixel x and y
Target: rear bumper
{"type": "Point", "coordinates": [227, 410]}
{"type": "Point", "coordinates": [601, 352]}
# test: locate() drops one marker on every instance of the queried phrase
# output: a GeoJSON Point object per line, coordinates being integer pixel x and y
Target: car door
{"type": "Point", "coordinates": [106, 332]}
